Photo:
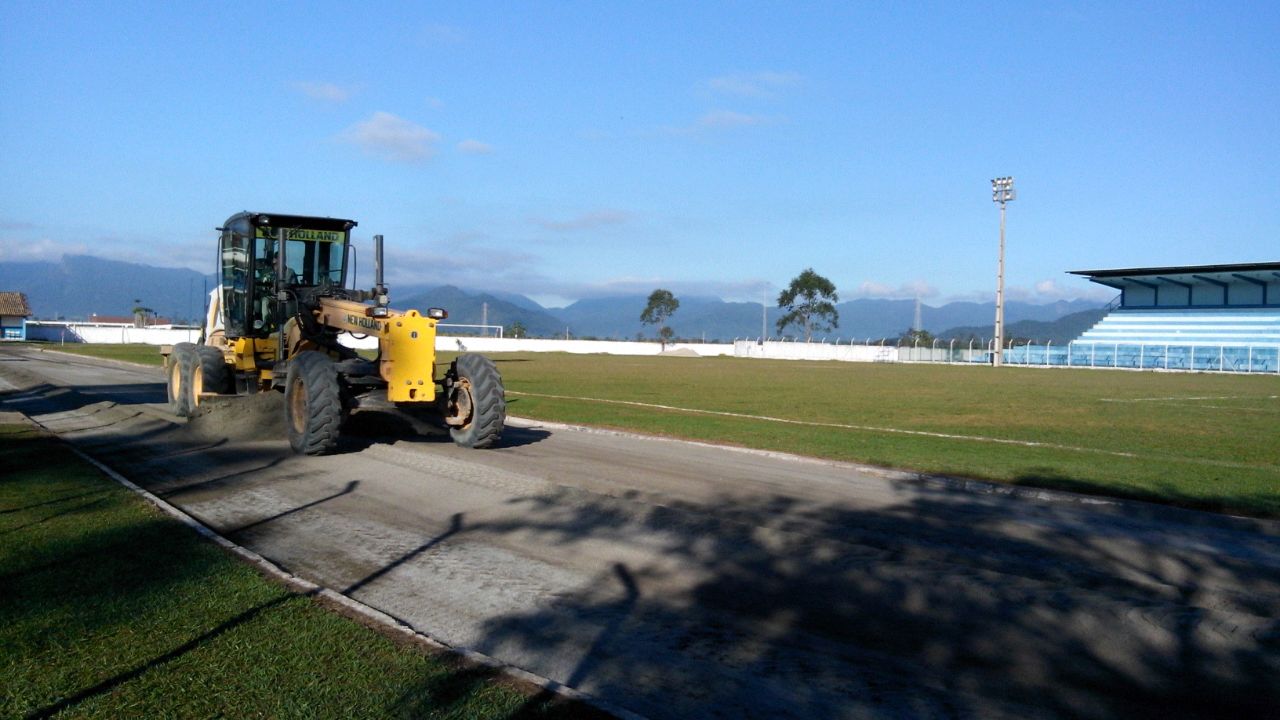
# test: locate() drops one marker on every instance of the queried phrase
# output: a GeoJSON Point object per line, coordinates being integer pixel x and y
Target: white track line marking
{"type": "Point", "coordinates": [1232, 408]}
{"type": "Point", "coordinates": [900, 431]}
{"type": "Point", "coordinates": [1185, 399]}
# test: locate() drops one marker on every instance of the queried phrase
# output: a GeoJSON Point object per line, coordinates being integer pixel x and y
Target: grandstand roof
{"type": "Point", "coordinates": [1192, 285]}
{"type": "Point", "coordinates": [1264, 268]}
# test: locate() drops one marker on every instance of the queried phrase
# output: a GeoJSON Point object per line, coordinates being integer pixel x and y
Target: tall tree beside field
{"type": "Point", "coordinates": [662, 305]}
{"type": "Point", "coordinates": [913, 336]}
{"type": "Point", "coordinates": [810, 303]}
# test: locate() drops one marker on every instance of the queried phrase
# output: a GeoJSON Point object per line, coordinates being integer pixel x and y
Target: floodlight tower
{"type": "Point", "coordinates": [1002, 192]}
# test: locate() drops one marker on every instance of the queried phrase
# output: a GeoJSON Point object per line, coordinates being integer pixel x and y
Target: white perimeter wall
{"type": "Point", "coordinates": [496, 345]}
{"type": "Point", "coordinates": [73, 332]}
{"type": "Point", "coordinates": [116, 333]}
{"type": "Point", "coordinates": [814, 351]}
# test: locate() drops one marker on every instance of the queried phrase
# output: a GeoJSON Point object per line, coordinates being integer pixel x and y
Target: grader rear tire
{"type": "Point", "coordinates": [478, 402]}
{"type": "Point", "coordinates": [312, 404]}
{"type": "Point", "coordinates": [214, 371]}
{"type": "Point", "coordinates": [185, 381]}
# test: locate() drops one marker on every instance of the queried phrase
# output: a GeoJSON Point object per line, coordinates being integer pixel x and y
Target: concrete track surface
{"type": "Point", "coordinates": [684, 581]}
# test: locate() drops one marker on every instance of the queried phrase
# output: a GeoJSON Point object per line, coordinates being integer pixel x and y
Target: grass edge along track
{"type": "Point", "coordinates": [114, 609]}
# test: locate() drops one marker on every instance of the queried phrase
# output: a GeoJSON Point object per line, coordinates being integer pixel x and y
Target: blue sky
{"type": "Point", "coordinates": [568, 150]}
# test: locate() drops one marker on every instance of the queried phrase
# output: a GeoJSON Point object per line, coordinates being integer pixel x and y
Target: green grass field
{"type": "Point", "coordinates": [137, 353]}
{"type": "Point", "coordinates": [1205, 441]}
{"type": "Point", "coordinates": [111, 609]}
{"type": "Point", "coordinates": [1196, 440]}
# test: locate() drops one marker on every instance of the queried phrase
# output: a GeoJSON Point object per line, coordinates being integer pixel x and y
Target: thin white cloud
{"type": "Point", "coordinates": [496, 268]}
{"type": "Point", "coordinates": [720, 120]}
{"type": "Point", "coordinates": [766, 84]}
{"type": "Point", "coordinates": [905, 291]}
{"type": "Point", "coordinates": [392, 138]}
{"type": "Point", "coordinates": [1042, 292]}
{"type": "Point", "coordinates": [586, 221]}
{"type": "Point", "coordinates": [475, 147]}
{"type": "Point", "coordinates": [42, 249]}
{"type": "Point", "coordinates": [440, 35]}
{"type": "Point", "coordinates": [190, 254]}
{"type": "Point", "coordinates": [730, 291]}
{"type": "Point", "coordinates": [731, 119]}
{"type": "Point", "coordinates": [1051, 290]}
{"type": "Point", "coordinates": [324, 91]}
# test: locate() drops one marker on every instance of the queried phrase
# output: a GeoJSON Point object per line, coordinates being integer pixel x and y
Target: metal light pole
{"type": "Point", "coordinates": [764, 315]}
{"type": "Point", "coordinates": [1002, 192]}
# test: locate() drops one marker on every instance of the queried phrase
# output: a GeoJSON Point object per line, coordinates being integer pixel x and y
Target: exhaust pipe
{"type": "Point", "coordinates": [379, 289]}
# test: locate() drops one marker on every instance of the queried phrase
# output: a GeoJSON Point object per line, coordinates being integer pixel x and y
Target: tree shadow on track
{"type": "Point", "coordinates": [46, 398]}
{"type": "Point", "coordinates": [1263, 503]}
{"type": "Point", "coordinates": [919, 610]}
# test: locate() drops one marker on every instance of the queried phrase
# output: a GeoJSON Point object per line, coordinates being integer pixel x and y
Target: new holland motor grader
{"type": "Point", "coordinates": [274, 323]}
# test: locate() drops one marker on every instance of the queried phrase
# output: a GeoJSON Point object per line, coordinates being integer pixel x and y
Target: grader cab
{"type": "Point", "coordinates": [275, 325]}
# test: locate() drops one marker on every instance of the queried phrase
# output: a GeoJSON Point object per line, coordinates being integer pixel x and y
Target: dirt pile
{"type": "Point", "coordinates": [250, 417]}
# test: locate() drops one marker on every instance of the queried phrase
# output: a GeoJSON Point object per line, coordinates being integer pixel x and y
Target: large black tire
{"type": "Point", "coordinates": [184, 380]}
{"type": "Point", "coordinates": [312, 403]}
{"type": "Point", "coordinates": [214, 370]}
{"type": "Point", "coordinates": [479, 400]}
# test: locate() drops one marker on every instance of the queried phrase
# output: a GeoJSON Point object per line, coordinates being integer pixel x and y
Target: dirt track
{"type": "Point", "coordinates": [678, 580]}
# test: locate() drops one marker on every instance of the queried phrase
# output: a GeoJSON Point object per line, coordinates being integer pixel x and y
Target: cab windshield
{"type": "Point", "coordinates": [312, 257]}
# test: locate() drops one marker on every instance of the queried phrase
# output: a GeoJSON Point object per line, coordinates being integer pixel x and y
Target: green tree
{"type": "Point", "coordinates": [662, 305]}
{"type": "Point", "coordinates": [810, 303]}
{"type": "Point", "coordinates": [924, 337]}
{"type": "Point", "coordinates": [517, 330]}
{"type": "Point", "coordinates": [140, 313]}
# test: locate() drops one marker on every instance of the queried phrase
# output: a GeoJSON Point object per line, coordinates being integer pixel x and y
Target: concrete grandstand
{"type": "Point", "coordinates": [1202, 317]}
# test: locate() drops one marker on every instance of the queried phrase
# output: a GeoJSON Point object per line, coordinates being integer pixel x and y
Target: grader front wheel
{"type": "Point", "coordinates": [313, 404]}
{"type": "Point", "coordinates": [475, 404]}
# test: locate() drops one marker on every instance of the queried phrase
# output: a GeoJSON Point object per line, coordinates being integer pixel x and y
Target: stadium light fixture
{"type": "Point", "coordinates": [1002, 191]}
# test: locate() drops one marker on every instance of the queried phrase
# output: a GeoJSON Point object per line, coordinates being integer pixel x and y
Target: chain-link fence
{"type": "Point", "coordinates": [1133, 356]}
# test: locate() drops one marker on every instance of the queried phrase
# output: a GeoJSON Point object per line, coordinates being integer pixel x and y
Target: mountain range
{"type": "Point", "coordinates": [80, 285]}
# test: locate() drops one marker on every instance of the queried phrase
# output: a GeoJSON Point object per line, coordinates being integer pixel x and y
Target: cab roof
{"type": "Point", "coordinates": [278, 220]}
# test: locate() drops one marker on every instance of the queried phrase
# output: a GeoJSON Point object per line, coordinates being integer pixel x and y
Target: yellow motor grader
{"type": "Point", "coordinates": [274, 324]}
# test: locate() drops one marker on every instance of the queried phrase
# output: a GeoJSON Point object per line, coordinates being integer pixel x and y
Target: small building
{"type": "Point", "coordinates": [14, 312]}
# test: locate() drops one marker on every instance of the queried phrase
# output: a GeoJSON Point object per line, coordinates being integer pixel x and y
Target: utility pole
{"type": "Point", "coordinates": [484, 316]}
{"type": "Point", "coordinates": [1001, 192]}
{"type": "Point", "coordinates": [764, 314]}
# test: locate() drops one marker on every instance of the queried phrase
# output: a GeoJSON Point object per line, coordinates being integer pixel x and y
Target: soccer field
{"type": "Point", "coordinates": [1205, 441]}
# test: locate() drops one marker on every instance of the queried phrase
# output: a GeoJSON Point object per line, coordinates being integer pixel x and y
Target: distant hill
{"type": "Point", "coordinates": [1059, 332]}
{"type": "Point", "coordinates": [619, 317]}
{"type": "Point", "coordinates": [469, 309]}
{"type": "Point", "coordinates": [80, 285]}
